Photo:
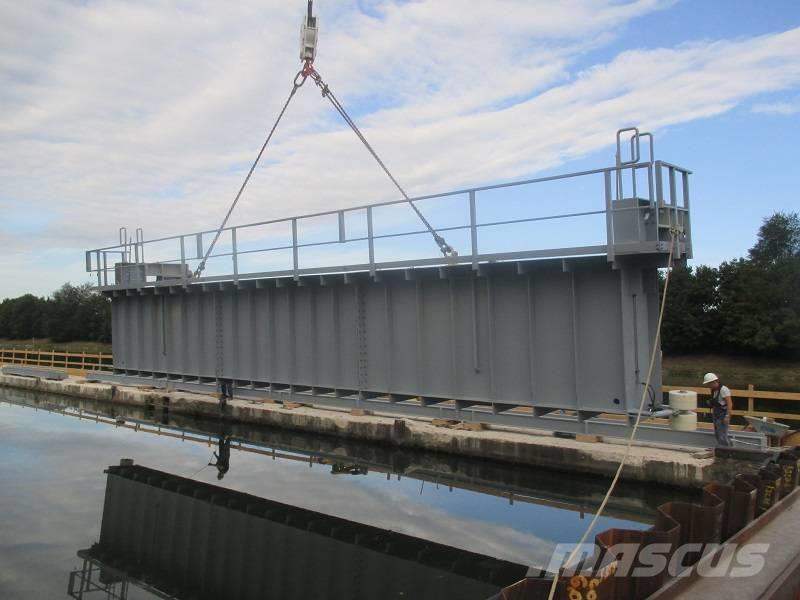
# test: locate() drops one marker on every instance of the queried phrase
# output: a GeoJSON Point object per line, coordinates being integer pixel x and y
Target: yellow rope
{"type": "Point", "coordinates": [635, 425]}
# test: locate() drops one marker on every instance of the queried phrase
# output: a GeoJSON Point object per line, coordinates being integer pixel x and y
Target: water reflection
{"type": "Point", "coordinates": [54, 465]}
{"type": "Point", "coordinates": [223, 455]}
{"type": "Point", "coordinates": [188, 539]}
{"type": "Point", "coordinates": [579, 493]}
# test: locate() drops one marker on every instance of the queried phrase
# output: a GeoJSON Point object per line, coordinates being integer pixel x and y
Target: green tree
{"type": "Point", "coordinates": [760, 297]}
{"type": "Point", "coordinates": [22, 318]}
{"type": "Point", "coordinates": [691, 317]}
{"type": "Point", "coordinates": [747, 305]}
{"type": "Point", "coordinates": [778, 239]}
{"type": "Point", "coordinates": [77, 313]}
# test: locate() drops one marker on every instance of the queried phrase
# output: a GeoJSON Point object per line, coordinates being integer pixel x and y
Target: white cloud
{"type": "Point", "coordinates": [147, 114]}
{"type": "Point", "coordinates": [778, 108]}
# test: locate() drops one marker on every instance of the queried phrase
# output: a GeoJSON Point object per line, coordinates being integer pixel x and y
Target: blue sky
{"type": "Point", "coordinates": [145, 115]}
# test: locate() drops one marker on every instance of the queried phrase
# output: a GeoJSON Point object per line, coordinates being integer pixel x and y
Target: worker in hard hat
{"type": "Point", "coordinates": [721, 407]}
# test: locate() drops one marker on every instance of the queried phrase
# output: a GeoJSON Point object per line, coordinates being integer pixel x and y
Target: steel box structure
{"type": "Point", "coordinates": [536, 329]}
{"type": "Point", "coordinates": [571, 334]}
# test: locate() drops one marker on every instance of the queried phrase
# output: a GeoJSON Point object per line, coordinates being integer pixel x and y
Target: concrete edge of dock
{"type": "Point", "coordinates": [680, 467]}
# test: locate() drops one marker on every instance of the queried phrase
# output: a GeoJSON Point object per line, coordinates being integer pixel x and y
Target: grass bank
{"type": "Point", "coordinates": [736, 371]}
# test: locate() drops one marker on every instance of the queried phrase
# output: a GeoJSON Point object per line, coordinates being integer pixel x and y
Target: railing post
{"type": "Point", "coordinates": [687, 219]}
{"type": "Point", "coordinates": [97, 257]}
{"type": "Point", "coordinates": [673, 190]}
{"type": "Point", "coordinates": [370, 241]}
{"type": "Point", "coordinates": [234, 256]}
{"type": "Point", "coordinates": [659, 196]}
{"type": "Point", "coordinates": [609, 217]}
{"type": "Point", "coordinates": [295, 259]}
{"type": "Point", "coordinates": [342, 230]}
{"type": "Point", "coordinates": [140, 237]}
{"type": "Point", "coordinates": [183, 257]}
{"type": "Point", "coordinates": [473, 229]}
{"type": "Point", "coordinates": [673, 197]}
{"type": "Point", "coordinates": [750, 400]}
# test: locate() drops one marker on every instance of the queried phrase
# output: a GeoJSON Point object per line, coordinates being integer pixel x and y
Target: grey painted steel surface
{"type": "Point", "coordinates": [516, 328]}
{"type": "Point", "coordinates": [551, 334]}
{"type": "Point", "coordinates": [34, 372]}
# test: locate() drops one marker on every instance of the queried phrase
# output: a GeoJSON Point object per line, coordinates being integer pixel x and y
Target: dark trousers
{"type": "Point", "coordinates": [721, 428]}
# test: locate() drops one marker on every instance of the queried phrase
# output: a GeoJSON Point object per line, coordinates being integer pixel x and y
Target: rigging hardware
{"type": "Point", "coordinates": [309, 33]}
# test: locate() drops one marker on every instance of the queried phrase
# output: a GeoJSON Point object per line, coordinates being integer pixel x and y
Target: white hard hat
{"type": "Point", "coordinates": [709, 377]}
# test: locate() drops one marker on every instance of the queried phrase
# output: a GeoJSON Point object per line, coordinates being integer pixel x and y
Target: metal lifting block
{"type": "Point", "coordinates": [309, 31]}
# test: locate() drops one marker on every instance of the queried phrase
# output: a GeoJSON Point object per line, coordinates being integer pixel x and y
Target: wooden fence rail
{"type": "Point", "coordinates": [73, 362]}
{"type": "Point", "coordinates": [81, 362]}
{"type": "Point", "coordinates": [750, 395]}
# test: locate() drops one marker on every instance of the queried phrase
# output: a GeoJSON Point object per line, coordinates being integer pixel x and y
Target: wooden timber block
{"type": "Point", "coordinates": [361, 412]}
{"type": "Point", "coordinates": [586, 437]}
{"type": "Point", "coordinates": [443, 422]}
{"type": "Point", "coordinates": [291, 405]}
{"type": "Point", "coordinates": [472, 426]}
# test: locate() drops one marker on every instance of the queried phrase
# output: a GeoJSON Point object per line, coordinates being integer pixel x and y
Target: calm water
{"type": "Point", "coordinates": [53, 486]}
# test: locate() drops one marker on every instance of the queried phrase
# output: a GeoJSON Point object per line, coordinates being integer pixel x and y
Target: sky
{"type": "Point", "coordinates": [148, 114]}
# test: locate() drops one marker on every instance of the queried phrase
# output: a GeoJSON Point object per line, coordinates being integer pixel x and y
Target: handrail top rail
{"type": "Point", "coordinates": [737, 393]}
{"type": "Point", "coordinates": [458, 192]}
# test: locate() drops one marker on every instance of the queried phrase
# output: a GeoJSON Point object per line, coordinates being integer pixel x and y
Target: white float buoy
{"type": "Point", "coordinates": [683, 421]}
{"type": "Point", "coordinates": [682, 400]}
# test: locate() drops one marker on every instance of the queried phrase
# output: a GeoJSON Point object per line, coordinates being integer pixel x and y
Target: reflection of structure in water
{"type": "Point", "coordinates": [348, 469]}
{"type": "Point", "coordinates": [222, 456]}
{"type": "Point", "coordinates": [94, 580]}
{"type": "Point", "coordinates": [186, 539]}
{"type": "Point", "coordinates": [582, 494]}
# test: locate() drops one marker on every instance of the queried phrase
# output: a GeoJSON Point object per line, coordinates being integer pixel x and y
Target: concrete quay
{"type": "Point", "coordinates": [666, 465]}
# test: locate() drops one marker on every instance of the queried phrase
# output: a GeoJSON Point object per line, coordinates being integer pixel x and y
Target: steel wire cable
{"type": "Point", "coordinates": [445, 248]}
{"type": "Point", "coordinates": [299, 80]}
{"type": "Point", "coordinates": [629, 444]}
{"type": "Point", "coordinates": [295, 87]}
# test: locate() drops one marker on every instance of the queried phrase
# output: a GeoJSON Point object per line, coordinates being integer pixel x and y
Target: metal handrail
{"type": "Point", "coordinates": [655, 195]}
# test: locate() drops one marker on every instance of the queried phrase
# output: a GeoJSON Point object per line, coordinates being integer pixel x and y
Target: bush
{"type": "Point", "coordinates": [72, 313]}
{"type": "Point", "coordinates": [750, 305]}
